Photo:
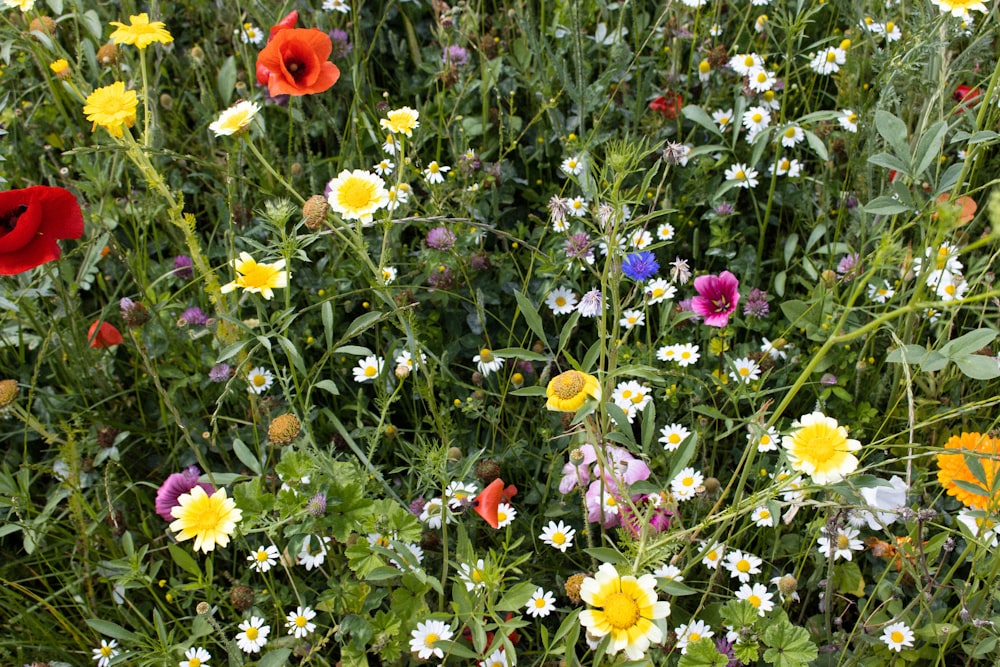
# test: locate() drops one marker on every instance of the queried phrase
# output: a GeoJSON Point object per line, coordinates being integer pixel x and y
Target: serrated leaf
{"type": "Point", "coordinates": [788, 645]}
{"type": "Point", "coordinates": [703, 653]}
{"type": "Point", "coordinates": [738, 613]}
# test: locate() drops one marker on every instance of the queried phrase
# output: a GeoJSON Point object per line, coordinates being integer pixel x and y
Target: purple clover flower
{"type": "Point", "coordinates": [756, 304]}
{"type": "Point", "coordinates": [220, 373]}
{"type": "Point", "coordinates": [441, 238]}
{"type": "Point", "coordinates": [455, 55]}
{"type": "Point", "coordinates": [341, 43]}
{"type": "Point", "coordinates": [640, 265]}
{"type": "Point", "coordinates": [195, 316]}
{"type": "Point", "coordinates": [183, 267]}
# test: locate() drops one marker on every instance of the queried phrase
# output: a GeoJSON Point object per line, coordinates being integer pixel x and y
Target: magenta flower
{"type": "Point", "coordinates": [717, 298]}
{"type": "Point", "coordinates": [175, 485]}
{"type": "Point", "coordinates": [651, 511]}
{"type": "Point", "coordinates": [603, 504]}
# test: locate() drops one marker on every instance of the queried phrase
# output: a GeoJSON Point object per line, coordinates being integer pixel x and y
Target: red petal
{"type": "Point", "coordinates": [509, 492]}
{"type": "Point", "coordinates": [49, 214]}
{"type": "Point", "coordinates": [106, 336]}
{"type": "Point", "coordinates": [288, 22]}
{"type": "Point", "coordinates": [486, 502]}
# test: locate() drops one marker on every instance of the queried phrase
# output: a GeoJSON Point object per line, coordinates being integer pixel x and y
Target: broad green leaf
{"type": "Point", "coordinates": [606, 555]}
{"type": "Point", "coordinates": [885, 206]}
{"type": "Point", "coordinates": [788, 645]}
{"type": "Point", "coordinates": [969, 343]}
{"type": "Point", "coordinates": [979, 367]}
{"type": "Point", "coordinates": [226, 79]}
{"type": "Point", "coordinates": [245, 456]}
{"type": "Point", "coordinates": [893, 130]}
{"type": "Point", "coordinates": [362, 323]}
{"type": "Point", "coordinates": [529, 391]}
{"type": "Point", "coordinates": [113, 630]}
{"type": "Point", "coordinates": [517, 597]}
{"type": "Point", "coordinates": [703, 653]}
{"type": "Point", "coordinates": [675, 588]}
{"type": "Point", "coordinates": [355, 350]}
{"type": "Point", "coordinates": [327, 311]}
{"type": "Point", "coordinates": [889, 162]}
{"type": "Point", "coordinates": [696, 114]}
{"type": "Point", "coordinates": [275, 658]}
{"type": "Point", "coordinates": [791, 243]}
{"type": "Point", "coordinates": [929, 147]}
{"type": "Point", "coordinates": [230, 351]}
{"type": "Point", "coordinates": [184, 560]}
{"type": "Point", "coordinates": [521, 353]}
{"type": "Point", "coordinates": [530, 315]}
{"type": "Point", "coordinates": [328, 386]}
{"type": "Point", "coordinates": [739, 614]}
{"type": "Point", "coordinates": [567, 330]}
{"type": "Point", "coordinates": [817, 145]}
{"type": "Point", "coordinates": [292, 353]}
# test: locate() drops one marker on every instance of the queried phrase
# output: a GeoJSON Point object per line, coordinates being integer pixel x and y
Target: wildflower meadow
{"type": "Point", "coordinates": [523, 332]}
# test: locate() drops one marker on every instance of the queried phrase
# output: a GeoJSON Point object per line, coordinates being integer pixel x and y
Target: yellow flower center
{"type": "Point", "coordinates": [831, 57]}
{"type": "Point", "coordinates": [559, 538]}
{"type": "Point", "coordinates": [560, 301]}
{"type": "Point", "coordinates": [637, 399]}
{"type": "Point", "coordinates": [658, 292]}
{"type": "Point", "coordinates": [501, 516]}
{"type": "Point", "coordinates": [761, 77]}
{"type": "Point", "coordinates": [764, 514]}
{"type": "Point", "coordinates": [853, 118]}
{"type": "Point", "coordinates": [748, 61]}
{"type": "Point", "coordinates": [685, 355]}
{"type": "Point", "coordinates": [539, 603]}
{"type": "Point", "coordinates": [300, 621]}
{"type": "Point", "coordinates": [843, 542]}
{"type": "Point", "coordinates": [754, 600]}
{"type": "Point", "coordinates": [757, 117]}
{"type": "Point", "coordinates": [950, 290]}
{"type": "Point", "coordinates": [743, 565]}
{"type": "Point", "coordinates": [889, 26]}
{"type": "Point", "coordinates": [765, 440]}
{"type": "Point", "coordinates": [356, 193]}
{"type": "Point", "coordinates": [611, 502]}
{"type": "Point", "coordinates": [251, 633]}
{"type": "Point", "coordinates": [896, 636]}
{"type": "Point", "coordinates": [704, 67]}
{"type": "Point", "coordinates": [688, 481]}
{"type": "Point", "coordinates": [741, 175]}
{"type": "Point", "coordinates": [477, 576]}
{"type": "Point", "coordinates": [370, 371]}
{"type": "Point", "coordinates": [790, 132]}
{"type": "Point", "coordinates": [674, 439]}
{"type": "Point", "coordinates": [259, 380]}
{"type": "Point", "coordinates": [430, 639]}
{"type": "Point", "coordinates": [261, 556]}
{"type": "Point", "coordinates": [106, 651]}
{"type": "Point", "coordinates": [712, 555]}
{"type": "Point", "coordinates": [744, 371]}
{"type": "Point", "coordinates": [694, 636]}
{"type": "Point", "coordinates": [485, 355]}
{"type": "Point", "coordinates": [568, 384]}
{"type": "Point", "coordinates": [194, 662]}
{"type": "Point", "coordinates": [571, 164]}
{"type": "Point", "coordinates": [621, 611]}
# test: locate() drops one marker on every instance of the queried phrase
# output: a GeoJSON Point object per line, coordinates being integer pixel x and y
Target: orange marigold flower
{"type": "Point", "coordinates": [954, 468]}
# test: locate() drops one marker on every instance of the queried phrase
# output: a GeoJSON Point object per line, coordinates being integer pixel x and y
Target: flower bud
{"type": "Point", "coordinates": [166, 101]}
{"type": "Point", "coordinates": [241, 596]}
{"type": "Point", "coordinates": [487, 471]}
{"type": "Point", "coordinates": [787, 585]}
{"type": "Point", "coordinates": [197, 55]}
{"type": "Point", "coordinates": [455, 454]}
{"type": "Point", "coordinates": [43, 24]}
{"type": "Point", "coordinates": [133, 313]}
{"type": "Point", "coordinates": [204, 608]}
{"type": "Point", "coordinates": [107, 55]}
{"type": "Point", "coordinates": [8, 393]}
{"type": "Point", "coordinates": [402, 372]}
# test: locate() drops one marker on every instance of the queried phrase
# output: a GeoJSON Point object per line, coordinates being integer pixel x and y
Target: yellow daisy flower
{"type": "Point", "coordinates": [401, 121]}
{"type": "Point", "coordinates": [60, 67]}
{"type": "Point", "coordinates": [112, 107]}
{"type": "Point", "coordinates": [820, 448]}
{"type": "Point", "coordinates": [140, 32]}
{"type": "Point", "coordinates": [210, 520]}
{"type": "Point", "coordinates": [257, 278]}
{"type": "Point", "coordinates": [356, 195]}
{"type": "Point", "coordinates": [628, 607]}
{"type": "Point", "coordinates": [953, 466]}
{"type": "Point", "coordinates": [568, 391]}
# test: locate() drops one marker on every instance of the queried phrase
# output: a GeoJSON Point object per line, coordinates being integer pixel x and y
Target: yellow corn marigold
{"type": "Point", "coordinates": [568, 391]}
{"type": "Point", "coordinates": [954, 468]}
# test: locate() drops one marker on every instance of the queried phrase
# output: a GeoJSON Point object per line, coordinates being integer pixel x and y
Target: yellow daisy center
{"type": "Point", "coordinates": [568, 384]}
{"type": "Point", "coordinates": [688, 481]}
{"type": "Point", "coordinates": [485, 355]}
{"type": "Point", "coordinates": [743, 565]}
{"type": "Point", "coordinates": [754, 600]}
{"type": "Point", "coordinates": [843, 541]}
{"type": "Point", "coordinates": [539, 603]}
{"type": "Point", "coordinates": [106, 651]}
{"type": "Point", "coordinates": [896, 636]}
{"type": "Point", "coordinates": [430, 639]}
{"type": "Point", "coordinates": [194, 662]}
{"type": "Point", "coordinates": [761, 77]}
{"type": "Point", "coordinates": [790, 132]}
{"type": "Point", "coordinates": [748, 61]}
{"type": "Point", "coordinates": [764, 514]}
{"type": "Point", "coordinates": [621, 611]}
{"type": "Point", "coordinates": [694, 636]}
{"type": "Point", "coordinates": [300, 621]}
{"type": "Point", "coordinates": [476, 576]}
{"type": "Point", "coordinates": [685, 355]}
{"type": "Point", "coordinates": [251, 633]}
{"type": "Point", "coordinates": [674, 439]}
{"type": "Point", "coordinates": [712, 555]}
{"type": "Point", "coordinates": [261, 556]}
{"type": "Point", "coordinates": [741, 175]}
{"type": "Point", "coordinates": [501, 516]}
{"type": "Point", "coordinates": [370, 371]}
{"type": "Point", "coordinates": [744, 371]}
{"type": "Point", "coordinates": [560, 301]}
{"type": "Point", "coordinates": [831, 57]}
{"type": "Point", "coordinates": [950, 290]}
{"type": "Point", "coordinates": [356, 193]}
{"type": "Point", "coordinates": [757, 117]}
{"type": "Point", "coordinates": [558, 538]}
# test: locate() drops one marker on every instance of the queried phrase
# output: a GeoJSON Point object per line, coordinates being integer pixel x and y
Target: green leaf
{"type": "Point", "coordinates": [184, 560]}
{"type": "Point", "coordinates": [328, 386]}
{"type": "Point", "coordinates": [969, 343]}
{"type": "Point", "coordinates": [847, 579]}
{"type": "Point", "coordinates": [739, 614]}
{"type": "Point", "coordinates": [529, 391]}
{"type": "Point", "coordinates": [113, 630]}
{"type": "Point", "coordinates": [276, 658]}
{"type": "Point", "coordinates": [327, 310]}
{"type": "Point", "coordinates": [889, 162]}
{"type": "Point", "coordinates": [517, 597]}
{"type": "Point", "coordinates": [789, 645]}
{"type": "Point", "coordinates": [226, 79]}
{"type": "Point", "coordinates": [929, 147]}
{"type": "Point", "coordinates": [230, 351]}
{"type": "Point", "coordinates": [696, 114]}
{"type": "Point", "coordinates": [606, 555]}
{"type": "Point", "coordinates": [293, 354]}
{"type": "Point", "coordinates": [245, 456]}
{"type": "Point", "coordinates": [817, 145]}
{"type": "Point", "coordinates": [521, 353]}
{"type": "Point", "coordinates": [893, 130]}
{"type": "Point", "coordinates": [356, 350]}
{"type": "Point", "coordinates": [530, 315]}
{"type": "Point", "coordinates": [979, 367]}
{"type": "Point", "coordinates": [703, 653]}
{"type": "Point", "coordinates": [567, 330]}
{"type": "Point", "coordinates": [675, 588]}
{"type": "Point", "coordinates": [885, 206]}
{"type": "Point", "coordinates": [362, 323]}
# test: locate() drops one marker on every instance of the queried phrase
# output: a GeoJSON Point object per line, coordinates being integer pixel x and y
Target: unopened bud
{"type": "Point", "coordinates": [455, 454]}
{"type": "Point", "coordinates": [828, 278]}
{"type": "Point", "coordinates": [197, 55]}
{"type": "Point", "coordinates": [787, 585]}
{"type": "Point", "coordinates": [43, 24]}
{"type": "Point", "coordinates": [314, 211]}
{"type": "Point", "coordinates": [402, 371]}
{"type": "Point", "coordinates": [166, 101]}
{"type": "Point", "coordinates": [107, 55]}
{"type": "Point", "coordinates": [8, 393]}
{"type": "Point", "coordinates": [203, 608]}
{"type": "Point", "coordinates": [712, 485]}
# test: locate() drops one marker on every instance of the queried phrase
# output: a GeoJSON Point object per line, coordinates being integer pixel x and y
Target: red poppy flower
{"type": "Point", "coordinates": [263, 74]}
{"type": "Point", "coordinates": [296, 62]}
{"type": "Point", "coordinates": [486, 502]}
{"type": "Point", "coordinates": [106, 336]}
{"type": "Point", "coordinates": [31, 220]}
{"type": "Point", "coordinates": [965, 95]}
{"type": "Point", "coordinates": [669, 105]}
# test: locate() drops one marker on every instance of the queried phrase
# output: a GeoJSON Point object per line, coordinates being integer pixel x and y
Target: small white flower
{"type": "Point", "coordinates": [298, 622]}
{"type": "Point", "coordinates": [389, 274]}
{"type": "Point", "coordinates": [541, 604]}
{"type": "Point", "coordinates": [692, 632]}
{"type": "Point", "coordinates": [425, 635]}
{"type": "Point", "coordinates": [712, 556]}
{"type": "Point", "coordinates": [632, 318]}
{"type": "Point", "coordinates": [766, 441]}
{"type": "Point", "coordinates": [743, 175]}
{"type": "Point", "coordinates": [760, 80]}
{"type": "Point", "coordinates": [762, 517]}
{"type": "Point", "coordinates": [558, 536]}
{"type": "Point", "coordinates": [487, 362]}
{"type": "Point", "coordinates": [434, 173]}
{"type": "Point", "coordinates": [665, 232]}
{"type": "Point", "coordinates": [251, 34]}
{"type": "Point", "coordinates": [756, 119]}
{"type": "Point", "coordinates": [841, 544]}
{"type": "Point", "coordinates": [263, 558]}
{"type": "Point", "coordinates": [742, 63]}
{"type": "Point", "coordinates": [667, 353]}
{"type": "Point", "coordinates": [253, 636]}
{"type": "Point", "coordinates": [686, 484]}
{"type": "Point", "coordinates": [385, 167]}
{"type": "Point", "coordinates": [471, 576]}
{"type": "Point", "coordinates": [641, 239]}
{"type": "Point", "coordinates": [745, 370]}
{"type": "Point", "coordinates": [758, 596]}
{"type": "Point", "coordinates": [982, 526]}
{"type": "Point", "coordinates": [572, 166]}
{"type": "Point", "coordinates": [672, 435]}
{"type": "Point", "coordinates": [768, 348]}
{"type": "Point", "coordinates": [368, 369]}
{"type": "Point", "coordinates": [741, 565]}
{"type": "Point", "coordinates": [669, 572]}
{"type": "Point", "coordinates": [459, 494]}
{"type": "Point", "coordinates": [897, 635]}
{"type": "Point", "coordinates": [829, 60]}
{"type": "Point", "coordinates": [505, 515]}
{"type": "Point", "coordinates": [341, 6]}
{"type": "Point", "coordinates": [433, 511]}
{"type": "Point", "coordinates": [848, 120]}
{"type": "Point", "coordinates": [561, 301]}
{"type": "Point", "coordinates": [723, 118]}
{"type": "Point", "coordinates": [106, 652]}
{"type": "Point", "coordinates": [657, 290]}
{"type": "Point", "coordinates": [880, 294]}
{"type": "Point", "coordinates": [687, 354]}
{"type": "Point", "coordinates": [260, 380]}
{"type": "Point", "coordinates": [577, 207]}
{"type": "Point", "coordinates": [792, 136]}
{"type": "Point", "coordinates": [196, 657]}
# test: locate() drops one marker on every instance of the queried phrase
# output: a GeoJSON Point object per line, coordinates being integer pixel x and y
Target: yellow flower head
{"type": "Point", "coordinates": [24, 5]}
{"type": "Point", "coordinates": [112, 107]}
{"type": "Point", "coordinates": [628, 609]}
{"type": "Point", "coordinates": [140, 32]}
{"type": "Point", "coordinates": [59, 67]}
{"type": "Point", "coordinates": [960, 8]}
{"type": "Point", "coordinates": [820, 448]}
{"type": "Point", "coordinates": [235, 119]}
{"type": "Point", "coordinates": [401, 121]}
{"type": "Point", "coordinates": [955, 467]}
{"type": "Point", "coordinates": [568, 391]}
{"type": "Point", "coordinates": [258, 278]}
{"type": "Point", "coordinates": [210, 520]}
{"type": "Point", "coordinates": [356, 195]}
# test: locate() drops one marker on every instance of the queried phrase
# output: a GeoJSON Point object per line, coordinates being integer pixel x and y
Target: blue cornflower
{"type": "Point", "coordinates": [640, 265]}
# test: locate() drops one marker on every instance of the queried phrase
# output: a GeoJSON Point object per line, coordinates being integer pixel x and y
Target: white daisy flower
{"type": "Point", "coordinates": [712, 556]}
{"type": "Point", "coordinates": [424, 636]}
{"type": "Point", "coordinates": [665, 232]}
{"type": "Point", "coordinates": [389, 274]}
{"type": "Point", "coordinates": [848, 120]}
{"type": "Point", "coordinates": [434, 173]}
{"type": "Point", "coordinates": [299, 623]}
{"type": "Point", "coordinates": [745, 370]}
{"type": "Point", "coordinates": [253, 635]}
{"type": "Point", "coordinates": [742, 63]}
{"type": "Point", "coordinates": [263, 558]}
{"type": "Point", "coordinates": [723, 118]}
{"type": "Point", "coordinates": [505, 515]}
{"type": "Point", "coordinates": [741, 565]}
{"type": "Point", "coordinates": [309, 559]}
{"type": "Point", "coordinates": [558, 536]}
{"type": "Point", "coordinates": [658, 290]}
{"type": "Point", "coordinates": [385, 167]}
{"type": "Point", "coordinates": [196, 657]}
{"type": "Point", "coordinates": [687, 354]}
{"type": "Point", "coordinates": [686, 484]}
{"type": "Point", "coordinates": [368, 369]}
{"type": "Point", "coordinates": [762, 517]}
{"type": "Point", "coordinates": [260, 380]}
{"type": "Point", "coordinates": [572, 166]}
{"type": "Point", "coordinates": [758, 596]}
{"type": "Point", "coordinates": [841, 544]}
{"type": "Point", "coordinates": [880, 294]}
{"type": "Point", "coordinates": [632, 318]}
{"type": "Point", "coordinates": [690, 633]}
{"type": "Point", "coordinates": [760, 80]}
{"type": "Point", "coordinates": [561, 301]}
{"type": "Point", "coordinates": [342, 6]}
{"type": "Point", "coordinates": [669, 572]}
{"type": "Point", "coordinates": [577, 206]}
{"type": "Point", "coordinates": [897, 635]}
{"type": "Point", "coordinates": [766, 441]}
{"type": "Point", "coordinates": [743, 175]}
{"type": "Point", "coordinates": [641, 239]}
{"type": "Point", "coordinates": [829, 60]}
{"type": "Point", "coordinates": [756, 119]}
{"type": "Point", "coordinates": [672, 435]}
{"type": "Point", "coordinates": [487, 362]}
{"type": "Point", "coordinates": [471, 576]}
{"type": "Point", "coordinates": [541, 604]}
{"type": "Point", "coordinates": [106, 652]}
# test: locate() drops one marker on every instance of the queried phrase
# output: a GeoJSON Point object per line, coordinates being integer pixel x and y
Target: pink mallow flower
{"type": "Point", "coordinates": [717, 298]}
{"type": "Point", "coordinates": [176, 484]}
{"type": "Point", "coordinates": [650, 510]}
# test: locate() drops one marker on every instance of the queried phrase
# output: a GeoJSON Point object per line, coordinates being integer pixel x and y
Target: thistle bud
{"type": "Point", "coordinates": [241, 596]}
{"type": "Point", "coordinates": [8, 393]}
{"type": "Point", "coordinates": [134, 313]}
{"type": "Point", "coordinates": [487, 471]}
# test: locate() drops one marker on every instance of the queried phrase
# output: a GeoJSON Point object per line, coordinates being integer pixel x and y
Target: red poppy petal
{"type": "Point", "coordinates": [62, 216]}
{"type": "Point", "coordinates": [43, 249]}
{"type": "Point", "coordinates": [288, 22]}
{"type": "Point", "coordinates": [106, 336]}
{"type": "Point", "coordinates": [486, 502]}
{"type": "Point", "coordinates": [38, 216]}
